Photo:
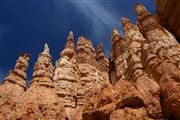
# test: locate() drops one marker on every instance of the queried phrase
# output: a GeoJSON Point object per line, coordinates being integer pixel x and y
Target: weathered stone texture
{"type": "Point", "coordinates": [102, 63]}
{"type": "Point", "coordinates": [40, 101]}
{"type": "Point", "coordinates": [91, 80]}
{"type": "Point", "coordinates": [139, 81]}
{"type": "Point", "coordinates": [158, 37]}
{"type": "Point", "coordinates": [13, 86]}
{"type": "Point", "coordinates": [66, 77]}
{"type": "Point", "coordinates": [119, 54]}
{"type": "Point", "coordinates": [130, 114]}
{"type": "Point", "coordinates": [135, 73]}
{"type": "Point", "coordinates": [167, 13]}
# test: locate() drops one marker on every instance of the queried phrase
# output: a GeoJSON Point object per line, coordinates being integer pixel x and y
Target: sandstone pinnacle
{"type": "Point", "coordinates": [13, 86]}
{"type": "Point", "coordinates": [141, 11]}
{"type": "Point", "coordinates": [139, 81]}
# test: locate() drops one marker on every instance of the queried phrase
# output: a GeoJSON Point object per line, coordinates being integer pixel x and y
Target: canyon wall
{"type": "Point", "coordinates": [139, 81]}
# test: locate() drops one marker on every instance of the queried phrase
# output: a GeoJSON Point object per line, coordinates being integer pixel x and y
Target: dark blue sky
{"type": "Point", "coordinates": [27, 24]}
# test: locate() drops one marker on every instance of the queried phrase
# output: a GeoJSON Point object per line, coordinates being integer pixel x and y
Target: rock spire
{"type": "Point", "coordinates": [13, 86]}
{"type": "Point", "coordinates": [40, 101]}
{"type": "Point", "coordinates": [139, 80]}
{"type": "Point", "coordinates": [66, 76]}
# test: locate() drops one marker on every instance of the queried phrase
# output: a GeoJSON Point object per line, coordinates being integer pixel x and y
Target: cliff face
{"type": "Point", "coordinates": [167, 14]}
{"type": "Point", "coordinates": [139, 81]}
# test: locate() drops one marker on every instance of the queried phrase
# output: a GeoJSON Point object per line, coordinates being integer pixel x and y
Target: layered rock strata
{"type": "Point", "coordinates": [135, 73]}
{"type": "Point", "coordinates": [118, 54]}
{"type": "Point", "coordinates": [102, 63]}
{"type": "Point", "coordinates": [91, 79]}
{"type": "Point", "coordinates": [167, 13]}
{"type": "Point", "coordinates": [139, 81]}
{"type": "Point", "coordinates": [40, 101]}
{"type": "Point", "coordinates": [13, 86]}
{"type": "Point", "coordinates": [146, 72]}
{"type": "Point", "coordinates": [66, 77]}
{"type": "Point", "coordinates": [158, 37]}
{"type": "Point", "coordinates": [160, 56]}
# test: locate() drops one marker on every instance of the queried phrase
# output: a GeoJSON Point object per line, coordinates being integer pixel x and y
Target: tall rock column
{"type": "Point", "coordinates": [40, 101]}
{"type": "Point", "coordinates": [158, 36]}
{"type": "Point", "coordinates": [167, 75]}
{"type": "Point", "coordinates": [167, 14]}
{"type": "Point", "coordinates": [90, 80]}
{"type": "Point", "coordinates": [102, 63]}
{"type": "Point", "coordinates": [13, 86]}
{"type": "Point", "coordinates": [151, 94]}
{"type": "Point", "coordinates": [159, 58]}
{"type": "Point", "coordinates": [119, 54]}
{"type": "Point", "coordinates": [66, 76]}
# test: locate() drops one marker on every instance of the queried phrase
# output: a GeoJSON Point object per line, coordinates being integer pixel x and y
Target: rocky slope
{"type": "Point", "coordinates": [139, 81]}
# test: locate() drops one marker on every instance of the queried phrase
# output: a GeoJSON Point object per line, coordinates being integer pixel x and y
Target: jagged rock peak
{"type": "Point", "coordinates": [115, 32]}
{"type": "Point", "coordinates": [127, 25]}
{"type": "Point", "coordinates": [141, 11]}
{"type": "Point", "coordinates": [41, 98]}
{"type": "Point", "coordinates": [84, 43]}
{"type": "Point", "coordinates": [69, 47]}
{"type": "Point", "coordinates": [102, 61]}
{"type": "Point", "coordinates": [81, 40]}
{"type": "Point", "coordinates": [131, 31]}
{"type": "Point", "coordinates": [99, 52]}
{"type": "Point", "coordinates": [99, 48]}
{"type": "Point", "coordinates": [71, 35]}
{"type": "Point", "coordinates": [22, 60]}
{"type": "Point", "coordinates": [13, 86]}
{"type": "Point", "coordinates": [46, 50]}
{"type": "Point", "coordinates": [43, 68]}
{"type": "Point", "coordinates": [115, 37]}
{"type": "Point", "coordinates": [18, 74]}
{"type": "Point", "coordinates": [70, 41]}
{"type": "Point", "coordinates": [124, 21]}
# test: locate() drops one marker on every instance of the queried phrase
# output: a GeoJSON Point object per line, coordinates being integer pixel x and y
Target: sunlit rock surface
{"type": "Point", "coordinates": [139, 81]}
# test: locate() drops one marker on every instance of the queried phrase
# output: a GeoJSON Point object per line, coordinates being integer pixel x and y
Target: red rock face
{"type": "Point", "coordinates": [167, 14]}
{"type": "Point", "coordinates": [102, 63]}
{"type": "Point", "coordinates": [13, 86]}
{"type": "Point", "coordinates": [158, 37]}
{"type": "Point", "coordinates": [66, 77]}
{"type": "Point", "coordinates": [139, 81]}
{"type": "Point", "coordinates": [135, 73]}
{"type": "Point", "coordinates": [130, 114]}
{"type": "Point", "coordinates": [91, 79]}
{"type": "Point", "coordinates": [119, 54]}
{"type": "Point", "coordinates": [40, 101]}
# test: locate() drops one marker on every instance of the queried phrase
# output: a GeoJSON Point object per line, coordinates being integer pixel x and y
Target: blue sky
{"type": "Point", "coordinates": [28, 24]}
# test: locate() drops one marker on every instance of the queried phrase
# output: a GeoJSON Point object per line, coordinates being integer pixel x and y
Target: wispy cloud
{"type": "Point", "coordinates": [95, 11]}
{"type": "Point", "coordinates": [102, 18]}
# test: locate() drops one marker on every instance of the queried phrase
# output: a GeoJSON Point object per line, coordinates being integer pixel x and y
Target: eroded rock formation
{"type": "Point", "coordinates": [13, 86]}
{"type": "Point", "coordinates": [66, 76]}
{"type": "Point", "coordinates": [167, 14]}
{"type": "Point", "coordinates": [40, 101]}
{"type": "Point", "coordinates": [139, 81]}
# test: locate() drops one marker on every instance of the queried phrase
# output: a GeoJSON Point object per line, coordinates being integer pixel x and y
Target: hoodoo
{"type": "Point", "coordinates": [139, 81]}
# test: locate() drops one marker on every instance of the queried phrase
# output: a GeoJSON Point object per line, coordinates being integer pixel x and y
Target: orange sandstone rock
{"type": "Point", "coordinates": [13, 86]}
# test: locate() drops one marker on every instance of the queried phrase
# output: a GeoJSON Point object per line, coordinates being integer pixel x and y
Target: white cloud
{"type": "Point", "coordinates": [95, 11]}
{"type": "Point", "coordinates": [102, 18]}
